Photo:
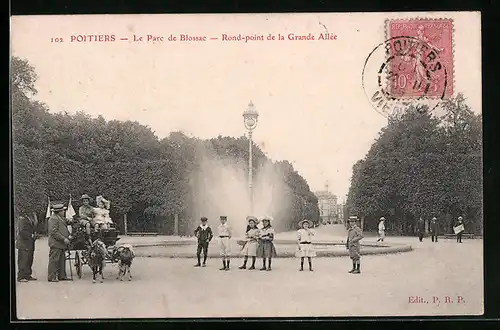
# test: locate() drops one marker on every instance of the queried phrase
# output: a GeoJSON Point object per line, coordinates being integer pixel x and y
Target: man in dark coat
{"type": "Point", "coordinates": [420, 229]}
{"type": "Point", "coordinates": [26, 237]}
{"type": "Point", "coordinates": [434, 230]}
{"type": "Point", "coordinates": [59, 238]}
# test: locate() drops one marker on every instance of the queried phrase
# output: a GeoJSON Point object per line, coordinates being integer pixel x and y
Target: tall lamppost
{"type": "Point", "coordinates": [250, 117]}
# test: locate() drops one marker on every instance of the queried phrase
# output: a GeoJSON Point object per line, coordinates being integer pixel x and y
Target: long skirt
{"type": "Point", "coordinates": [250, 249]}
{"type": "Point", "coordinates": [306, 250]}
{"type": "Point", "coordinates": [354, 252]}
{"type": "Point", "coordinates": [266, 249]}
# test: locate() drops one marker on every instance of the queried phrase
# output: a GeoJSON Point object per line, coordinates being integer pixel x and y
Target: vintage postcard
{"type": "Point", "coordinates": [247, 165]}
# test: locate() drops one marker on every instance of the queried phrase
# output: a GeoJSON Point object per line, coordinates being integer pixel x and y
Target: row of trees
{"type": "Point", "coordinates": [422, 165]}
{"type": "Point", "coordinates": [55, 155]}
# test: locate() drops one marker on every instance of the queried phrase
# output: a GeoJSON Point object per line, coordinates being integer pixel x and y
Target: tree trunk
{"type": "Point", "coordinates": [125, 226]}
{"type": "Point", "coordinates": [176, 225]}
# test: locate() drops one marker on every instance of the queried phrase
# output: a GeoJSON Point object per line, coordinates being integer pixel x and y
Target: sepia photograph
{"type": "Point", "coordinates": [183, 166]}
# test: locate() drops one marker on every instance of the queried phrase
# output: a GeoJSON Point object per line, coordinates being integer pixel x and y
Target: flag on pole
{"type": "Point", "coordinates": [71, 211]}
{"type": "Point", "coordinates": [48, 213]}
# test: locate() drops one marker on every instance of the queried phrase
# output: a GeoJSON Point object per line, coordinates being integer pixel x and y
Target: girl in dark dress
{"type": "Point", "coordinates": [266, 249]}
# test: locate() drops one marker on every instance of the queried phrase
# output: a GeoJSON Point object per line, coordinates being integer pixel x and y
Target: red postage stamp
{"type": "Point", "coordinates": [421, 58]}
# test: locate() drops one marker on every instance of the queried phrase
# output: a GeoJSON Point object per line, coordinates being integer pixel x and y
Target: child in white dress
{"type": "Point", "coordinates": [304, 243]}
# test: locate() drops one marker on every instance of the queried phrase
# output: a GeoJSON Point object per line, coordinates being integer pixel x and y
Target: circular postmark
{"type": "Point", "coordinates": [404, 71]}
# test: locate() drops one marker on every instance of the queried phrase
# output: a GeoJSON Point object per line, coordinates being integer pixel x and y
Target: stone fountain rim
{"type": "Point", "coordinates": [366, 248]}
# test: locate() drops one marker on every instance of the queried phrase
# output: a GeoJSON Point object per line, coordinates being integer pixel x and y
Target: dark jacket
{"type": "Point", "coordinates": [25, 234]}
{"type": "Point", "coordinates": [421, 226]}
{"type": "Point", "coordinates": [204, 235]}
{"type": "Point", "coordinates": [434, 228]}
{"type": "Point", "coordinates": [58, 231]}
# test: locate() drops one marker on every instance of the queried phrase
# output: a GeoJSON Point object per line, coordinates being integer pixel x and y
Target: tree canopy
{"type": "Point", "coordinates": [55, 155]}
{"type": "Point", "coordinates": [422, 165]}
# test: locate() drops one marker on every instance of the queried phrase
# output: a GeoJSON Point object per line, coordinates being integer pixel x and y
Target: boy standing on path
{"type": "Point", "coordinates": [354, 235]}
{"type": "Point", "coordinates": [224, 232]}
{"type": "Point", "coordinates": [204, 235]}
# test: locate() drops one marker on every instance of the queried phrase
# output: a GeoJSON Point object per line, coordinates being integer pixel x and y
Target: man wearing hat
{"type": "Point", "coordinates": [204, 235]}
{"type": "Point", "coordinates": [354, 235]}
{"type": "Point", "coordinates": [86, 213]}
{"type": "Point", "coordinates": [434, 230]}
{"type": "Point", "coordinates": [460, 223]}
{"type": "Point", "coordinates": [381, 230]}
{"type": "Point", "coordinates": [224, 233]}
{"type": "Point", "coordinates": [59, 239]}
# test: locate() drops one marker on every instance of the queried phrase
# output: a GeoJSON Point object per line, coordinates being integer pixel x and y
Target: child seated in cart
{"type": "Point", "coordinates": [86, 213]}
{"type": "Point", "coordinates": [101, 214]}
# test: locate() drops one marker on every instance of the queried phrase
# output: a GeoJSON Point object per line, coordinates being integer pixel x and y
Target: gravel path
{"type": "Point", "coordinates": [165, 287]}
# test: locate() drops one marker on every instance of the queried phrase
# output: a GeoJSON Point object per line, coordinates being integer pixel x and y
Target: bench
{"type": "Point", "coordinates": [141, 234]}
{"type": "Point", "coordinates": [464, 235]}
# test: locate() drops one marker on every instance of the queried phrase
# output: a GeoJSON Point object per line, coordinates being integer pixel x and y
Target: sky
{"type": "Point", "coordinates": [312, 108]}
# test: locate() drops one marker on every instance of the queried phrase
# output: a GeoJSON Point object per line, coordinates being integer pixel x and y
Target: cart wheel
{"type": "Point", "coordinates": [78, 264]}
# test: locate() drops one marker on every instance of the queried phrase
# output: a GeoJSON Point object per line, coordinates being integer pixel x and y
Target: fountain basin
{"type": "Point", "coordinates": [284, 248]}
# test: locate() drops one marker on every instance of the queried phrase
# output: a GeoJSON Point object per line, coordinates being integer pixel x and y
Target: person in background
{"type": "Point", "coordinates": [304, 243]}
{"type": "Point", "coordinates": [26, 237]}
{"type": "Point", "coordinates": [381, 230]}
{"type": "Point", "coordinates": [460, 233]}
{"type": "Point", "coordinates": [224, 232]}
{"type": "Point", "coordinates": [434, 230]}
{"type": "Point", "coordinates": [250, 247]}
{"type": "Point", "coordinates": [266, 248]}
{"type": "Point", "coordinates": [59, 239]}
{"type": "Point", "coordinates": [420, 229]}
{"type": "Point", "coordinates": [354, 235]}
{"type": "Point", "coordinates": [204, 235]}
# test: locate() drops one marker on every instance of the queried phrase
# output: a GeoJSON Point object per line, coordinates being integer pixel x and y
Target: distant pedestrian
{"type": "Point", "coordinates": [251, 242]}
{"type": "Point", "coordinates": [224, 232]}
{"type": "Point", "coordinates": [59, 239]}
{"type": "Point", "coordinates": [420, 229]}
{"type": "Point", "coordinates": [354, 235]}
{"type": "Point", "coordinates": [26, 237]}
{"type": "Point", "coordinates": [459, 227]}
{"type": "Point", "coordinates": [434, 230]}
{"type": "Point", "coordinates": [266, 248]}
{"type": "Point", "coordinates": [304, 243]}
{"type": "Point", "coordinates": [204, 235]}
{"type": "Point", "coordinates": [381, 230]}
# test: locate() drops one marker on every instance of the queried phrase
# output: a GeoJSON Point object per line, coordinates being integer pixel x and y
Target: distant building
{"type": "Point", "coordinates": [340, 212]}
{"type": "Point", "coordinates": [328, 207]}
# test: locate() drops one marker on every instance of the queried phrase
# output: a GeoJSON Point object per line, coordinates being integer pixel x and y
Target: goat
{"type": "Point", "coordinates": [97, 255]}
{"type": "Point", "coordinates": [125, 255]}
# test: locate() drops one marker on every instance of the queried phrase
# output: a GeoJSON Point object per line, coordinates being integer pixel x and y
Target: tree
{"type": "Point", "coordinates": [421, 166]}
{"type": "Point", "coordinates": [56, 155]}
{"type": "Point", "coordinates": [23, 77]}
